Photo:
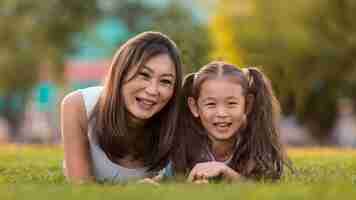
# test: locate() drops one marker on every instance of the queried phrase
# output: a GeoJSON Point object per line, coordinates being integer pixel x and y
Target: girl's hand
{"type": "Point", "coordinates": [202, 172]}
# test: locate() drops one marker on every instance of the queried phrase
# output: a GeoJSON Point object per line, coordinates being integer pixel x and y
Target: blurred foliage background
{"type": "Point", "coordinates": [33, 34]}
{"type": "Point", "coordinates": [307, 48]}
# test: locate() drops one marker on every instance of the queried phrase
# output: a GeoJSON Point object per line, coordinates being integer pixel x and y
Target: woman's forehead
{"type": "Point", "coordinates": [161, 63]}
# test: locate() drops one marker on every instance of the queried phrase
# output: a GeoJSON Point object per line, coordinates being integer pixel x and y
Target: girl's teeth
{"type": "Point", "coordinates": [222, 124]}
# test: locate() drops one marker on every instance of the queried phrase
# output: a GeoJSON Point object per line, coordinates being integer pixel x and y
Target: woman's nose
{"type": "Point", "coordinates": [152, 88]}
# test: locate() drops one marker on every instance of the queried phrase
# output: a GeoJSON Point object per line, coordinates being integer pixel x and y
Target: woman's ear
{"type": "Point", "coordinates": [193, 106]}
{"type": "Point", "coordinates": [249, 103]}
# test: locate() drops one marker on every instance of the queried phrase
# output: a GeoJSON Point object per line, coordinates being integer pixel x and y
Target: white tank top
{"type": "Point", "coordinates": [104, 169]}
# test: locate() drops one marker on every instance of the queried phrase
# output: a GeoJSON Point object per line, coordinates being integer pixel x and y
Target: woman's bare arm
{"type": "Point", "coordinates": [74, 126]}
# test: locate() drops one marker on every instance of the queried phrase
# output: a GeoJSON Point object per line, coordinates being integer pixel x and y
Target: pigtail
{"type": "Point", "coordinates": [267, 156]}
{"type": "Point", "coordinates": [179, 154]}
{"type": "Point", "coordinates": [187, 133]}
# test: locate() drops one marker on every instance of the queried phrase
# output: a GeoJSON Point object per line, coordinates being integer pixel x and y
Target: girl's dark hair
{"type": "Point", "coordinates": [259, 153]}
{"type": "Point", "coordinates": [110, 120]}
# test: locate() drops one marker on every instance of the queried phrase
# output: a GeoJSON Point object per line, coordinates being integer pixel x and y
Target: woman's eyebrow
{"type": "Point", "coordinates": [152, 71]}
{"type": "Point", "coordinates": [169, 75]}
{"type": "Point", "coordinates": [147, 68]}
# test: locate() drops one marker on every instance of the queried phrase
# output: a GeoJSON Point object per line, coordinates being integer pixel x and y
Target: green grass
{"type": "Point", "coordinates": [35, 173]}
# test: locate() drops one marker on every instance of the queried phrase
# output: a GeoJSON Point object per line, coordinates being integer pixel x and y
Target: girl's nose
{"type": "Point", "coordinates": [221, 111]}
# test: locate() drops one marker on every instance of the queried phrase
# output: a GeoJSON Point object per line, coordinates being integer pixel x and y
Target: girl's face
{"type": "Point", "coordinates": [221, 109]}
{"type": "Point", "coordinates": [148, 92]}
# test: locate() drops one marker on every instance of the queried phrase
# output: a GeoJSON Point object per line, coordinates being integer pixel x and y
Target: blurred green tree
{"type": "Point", "coordinates": [173, 19]}
{"type": "Point", "coordinates": [221, 31]}
{"type": "Point", "coordinates": [36, 35]}
{"type": "Point", "coordinates": [190, 34]}
{"type": "Point", "coordinates": [308, 50]}
{"type": "Point", "coordinates": [135, 13]}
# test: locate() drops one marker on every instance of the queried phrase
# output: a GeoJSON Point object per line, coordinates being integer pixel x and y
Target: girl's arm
{"type": "Point", "coordinates": [74, 125]}
{"type": "Point", "coordinates": [231, 175]}
{"type": "Point", "coordinates": [208, 170]}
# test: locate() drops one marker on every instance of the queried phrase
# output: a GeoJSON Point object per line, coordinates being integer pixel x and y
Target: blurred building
{"type": "Point", "coordinates": [86, 67]}
{"type": "Point", "coordinates": [4, 131]}
{"type": "Point", "coordinates": [293, 133]}
{"type": "Point", "coordinates": [344, 133]}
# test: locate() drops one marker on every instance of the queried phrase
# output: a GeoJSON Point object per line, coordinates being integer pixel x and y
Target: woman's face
{"type": "Point", "coordinates": [151, 89]}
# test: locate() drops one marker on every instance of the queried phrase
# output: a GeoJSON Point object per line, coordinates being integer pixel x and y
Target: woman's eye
{"type": "Point", "coordinates": [166, 82]}
{"type": "Point", "coordinates": [232, 103]}
{"type": "Point", "coordinates": [144, 75]}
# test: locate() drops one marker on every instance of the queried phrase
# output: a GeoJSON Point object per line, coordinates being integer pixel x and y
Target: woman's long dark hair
{"type": "Point", "coordinates": [109, 118]}
{"type": "Point", "coordinates": [259, 153]}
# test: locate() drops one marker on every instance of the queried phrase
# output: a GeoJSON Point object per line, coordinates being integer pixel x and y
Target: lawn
{"type": "Point", "coordinates": [34, 172]}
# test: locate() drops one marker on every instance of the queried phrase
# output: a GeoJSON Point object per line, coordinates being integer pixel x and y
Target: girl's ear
{"type": "Point", "coordinates": [249, 103]}
{"type": "Point", "coordinates": [193, 107]}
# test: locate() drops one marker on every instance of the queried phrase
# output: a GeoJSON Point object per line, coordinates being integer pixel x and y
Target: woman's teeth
{"type": "Point", "coordinates": [145, 104]}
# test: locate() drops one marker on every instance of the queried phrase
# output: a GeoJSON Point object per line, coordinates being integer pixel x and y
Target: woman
{"type": "Point", "coordinates": [124, 130]}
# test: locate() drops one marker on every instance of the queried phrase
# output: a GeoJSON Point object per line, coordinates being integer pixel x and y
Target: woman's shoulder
{"type": "Point", "coordinates": [91, 90]}
{"type": "Point", "coordinates": [74, 100]}
{"type": "Point", "coordinates": [73, 104]}
{"type": "Point", "coordinates": [89, 97]}
{"type": "Point", "coordinates": [73, 117]}
{"type": "Point", "coordinates": [81, 101]}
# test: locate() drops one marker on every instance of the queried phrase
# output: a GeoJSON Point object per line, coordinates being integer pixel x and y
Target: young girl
{"type": "Point", "coordinates": [227, 126]}
{"type": "Point", "coordinates": [124, 130]}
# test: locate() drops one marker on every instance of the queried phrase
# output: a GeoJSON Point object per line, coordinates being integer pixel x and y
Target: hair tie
{"type": "Point", "coordinates": [195, 77]}
{"type": "Point", "coordinates": [246, 72]}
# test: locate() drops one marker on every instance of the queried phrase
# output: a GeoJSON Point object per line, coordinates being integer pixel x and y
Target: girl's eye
{"type": "Point", "coordinates": [232, 104]}
{"type": "Point", "coordinates": [210, 104]}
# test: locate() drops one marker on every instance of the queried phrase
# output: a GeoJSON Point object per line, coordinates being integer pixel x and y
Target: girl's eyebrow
{"type": "Point", "coordinates": [208, 99]}
{"type": "Point", "coordinates": [152, 71]}
{"type": "Point", "coordinates": [232, 97]}
{"type": "Point", "coordinates": [213, 99]}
